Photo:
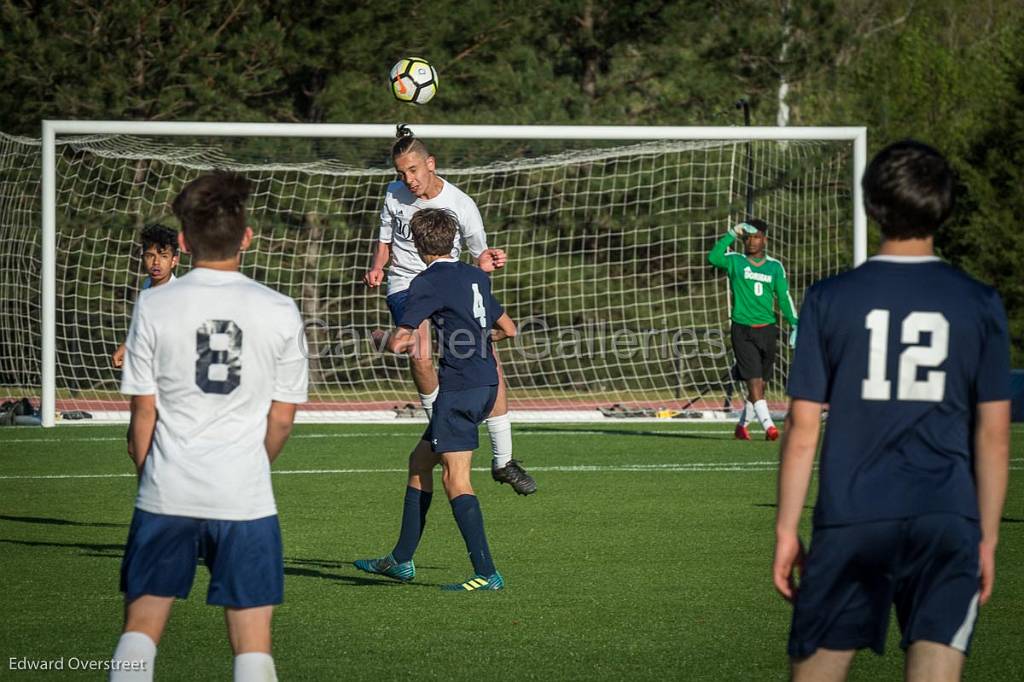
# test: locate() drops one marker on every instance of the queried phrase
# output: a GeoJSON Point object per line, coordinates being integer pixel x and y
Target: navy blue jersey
{"type": "Point", "coordinates": [458, 300]}
{"type": "Point", "coordinates": [902, 350]}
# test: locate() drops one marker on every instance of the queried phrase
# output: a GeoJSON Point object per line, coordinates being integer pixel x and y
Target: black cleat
{"type": "Point", "coordinates": [515, 475]}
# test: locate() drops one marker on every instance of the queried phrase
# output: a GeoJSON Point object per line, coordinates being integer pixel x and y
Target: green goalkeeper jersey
{"type": "Point", "coordinates": [755, 286]}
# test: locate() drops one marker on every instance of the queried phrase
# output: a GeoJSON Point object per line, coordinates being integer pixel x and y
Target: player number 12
{"type": "Point", "coordinates": [908, 387]}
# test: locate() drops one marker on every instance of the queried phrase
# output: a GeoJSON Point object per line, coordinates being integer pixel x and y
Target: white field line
{"type": "Point", "coordinates": [579, 468]}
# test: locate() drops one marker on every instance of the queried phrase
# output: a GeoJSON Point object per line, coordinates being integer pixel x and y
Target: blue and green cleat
{"type": "Point", "coordinates": [403, 572]}
{"type": "Point", "coordinates": [477, 582]}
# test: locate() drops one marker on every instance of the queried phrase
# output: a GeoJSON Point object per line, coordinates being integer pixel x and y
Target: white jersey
{"type": "Point", "coordinates": [215, 348]}
{"type": "Point", "coordinates": [399, 206]}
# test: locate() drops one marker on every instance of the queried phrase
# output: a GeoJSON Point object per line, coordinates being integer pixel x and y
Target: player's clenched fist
{"type": "Point", "coordinates": [492, 259]}
{"type": "Point", "coordinates": [374, 278]}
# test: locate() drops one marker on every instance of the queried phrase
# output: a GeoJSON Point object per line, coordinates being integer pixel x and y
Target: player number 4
{"type": "Point", "coordinates": [908, 387]}
{"type": "Point", "coordinates": [479, 309]}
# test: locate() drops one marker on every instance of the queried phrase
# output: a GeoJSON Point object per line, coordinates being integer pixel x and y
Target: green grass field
{"type": "Point", "coordinates": [645, 554]}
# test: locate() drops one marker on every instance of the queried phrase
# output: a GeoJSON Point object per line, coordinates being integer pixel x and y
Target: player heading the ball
{"type": "Point", "coordinates": [419, 187]}
{"type": "Point", "coordinates": [215, 367]}
{"type": "Point", "coordinates": [458, 298]}
{"type": "Point", "coordinates": [912, 357]}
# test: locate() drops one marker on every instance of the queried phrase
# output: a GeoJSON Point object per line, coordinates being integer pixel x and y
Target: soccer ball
{"type": "Point", "coordinates": [413, 80]}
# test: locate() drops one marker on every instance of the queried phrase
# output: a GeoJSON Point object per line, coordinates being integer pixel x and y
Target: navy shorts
{"type": "Point", "coordinates": [396, 304]}
{"type": "Point", "coordinates": [927, 567]}
{"type": "Point", "coordinates": [245, 559]}
{"type": "Point", "coordinates": [457, 415]}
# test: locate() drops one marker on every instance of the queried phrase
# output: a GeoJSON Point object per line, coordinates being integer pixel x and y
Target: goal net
{"type": "Point", "coordinates": [607, 277]}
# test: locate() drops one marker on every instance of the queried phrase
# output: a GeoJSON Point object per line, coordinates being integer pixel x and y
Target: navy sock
{"type": "Point", "coordinates": [414, 518]}
{"type": "Point", "coordinates": [471, 524]}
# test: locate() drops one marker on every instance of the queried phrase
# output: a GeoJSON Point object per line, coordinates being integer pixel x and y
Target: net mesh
{"type": "Point", "coordinates": [608, 275]}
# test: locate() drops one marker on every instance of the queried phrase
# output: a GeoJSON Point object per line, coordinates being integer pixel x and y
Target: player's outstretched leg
{"type": "Point", "coordinates": [418, 493]}
{"type": "Point", "coordinates": [504, 469]}
{"type": "Point", "coordinates": [470, 520]}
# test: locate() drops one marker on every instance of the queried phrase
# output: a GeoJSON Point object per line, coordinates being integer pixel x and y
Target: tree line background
{"type": "Point", "coordinates": [948, 72]}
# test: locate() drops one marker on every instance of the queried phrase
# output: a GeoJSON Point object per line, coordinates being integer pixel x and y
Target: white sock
{"type": "Point", "coordinates": [747, 413]}
{"type": "Point", "coordinates": [133, 658]}
{"type": "Point", "coordinates": [255, 667]}
{"type": "Point", "coordinates": [763, 415]}
{"type": "Point", "coordinates": [500, 429]}
{"type": "Point", "coordinates": [427, 401]}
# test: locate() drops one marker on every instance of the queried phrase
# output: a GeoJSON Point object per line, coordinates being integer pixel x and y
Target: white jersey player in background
{"type": "Point", "coordinates": [418, 186]}
{"type": "Point", "coordinates": [215, 367]}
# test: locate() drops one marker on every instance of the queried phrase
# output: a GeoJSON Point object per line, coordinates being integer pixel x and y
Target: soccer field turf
{"type": "Point", "coordinates": [645, 554]}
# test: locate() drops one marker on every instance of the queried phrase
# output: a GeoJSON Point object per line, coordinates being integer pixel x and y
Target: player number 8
{"type": "Point", "coordinates": [218, 356]}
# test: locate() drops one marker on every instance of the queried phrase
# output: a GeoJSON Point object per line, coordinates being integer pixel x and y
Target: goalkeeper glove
{"type": "Point", "coordinates": [743, 229]}
{"type": "Point", "coordinates": [792, 337]}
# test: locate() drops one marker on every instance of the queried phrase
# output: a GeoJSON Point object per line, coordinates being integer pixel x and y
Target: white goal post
{"type": "Point", "coordinates": [854, 162]}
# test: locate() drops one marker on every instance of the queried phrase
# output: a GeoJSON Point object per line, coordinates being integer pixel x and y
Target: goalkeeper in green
{"type": "Point", "coordinates": [756, 280]}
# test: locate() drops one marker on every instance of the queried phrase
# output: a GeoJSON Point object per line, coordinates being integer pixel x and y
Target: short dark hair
{"type": "Point", "coordinates": [211, 209]}
{"type": "Point", "coordinates": [761, 225]}
{"type": "Point", "coordinates": [407, 142]}
{"type": "Point", "coordinates": [908, 190]}
{"type": "Point", "coordinates": [160, 236]}
{"type": "Point", "coordinates": [433, 231]}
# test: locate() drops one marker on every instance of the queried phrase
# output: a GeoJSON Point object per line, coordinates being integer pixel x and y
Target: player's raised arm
{"type": "Point", "coordinates": [717, 255]}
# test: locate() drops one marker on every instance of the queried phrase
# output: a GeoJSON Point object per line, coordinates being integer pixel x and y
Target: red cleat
{"type": "Point", "coordinates": [771, 434]}
{"type": "Point", "coordinates": [741, 432]}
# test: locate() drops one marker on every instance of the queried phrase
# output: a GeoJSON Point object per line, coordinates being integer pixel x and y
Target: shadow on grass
{"type": "Point", "coordinates": [89, 549]}
{"type": "Point", "coordinates": [60, 522]}
{"type": "Point", "coordinates": [683, 435]}
{"type": "Point", "coordinates": [303, 568]}
{"type": "Point", "coordinates": [308, 568]}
